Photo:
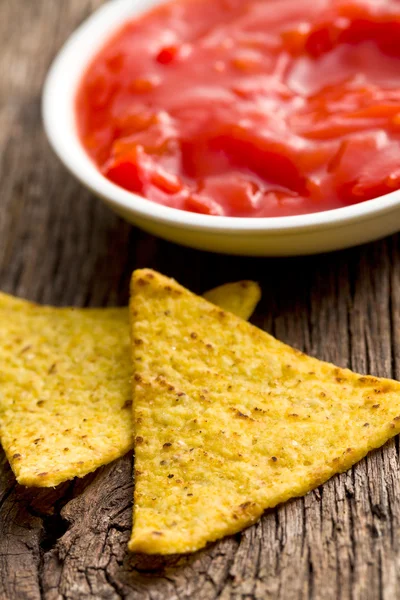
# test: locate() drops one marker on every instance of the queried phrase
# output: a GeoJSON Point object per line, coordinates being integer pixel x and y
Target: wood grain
{"type": "Point", "coordinates": [59, 245]}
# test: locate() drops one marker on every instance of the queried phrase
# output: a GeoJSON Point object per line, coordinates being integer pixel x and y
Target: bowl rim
{"type": "Point", "coordinates": [58, 113]}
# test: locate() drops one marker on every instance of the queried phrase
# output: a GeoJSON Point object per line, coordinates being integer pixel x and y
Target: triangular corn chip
{"type": "Point", "coordinates": [65, 391]}
{"type": "Point", "coordinates": [229, 421]}
{"type": "Point", "coordinates": [238, 298]}
{"type": "Point", "coordinates": [65, 400]}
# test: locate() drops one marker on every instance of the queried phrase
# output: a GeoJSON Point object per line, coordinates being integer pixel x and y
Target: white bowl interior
{"type": "Point", "coordinates": [60, 124]}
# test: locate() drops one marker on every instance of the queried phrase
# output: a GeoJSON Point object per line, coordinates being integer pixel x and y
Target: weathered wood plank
{"type": "Point", "coordinates": [60, 245]}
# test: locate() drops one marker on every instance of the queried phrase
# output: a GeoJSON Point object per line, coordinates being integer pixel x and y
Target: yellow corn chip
{"type": "Point", "coordinates": [65, 392]}
{"type": "Point", "coordinates": [242, 300]}
{"type": "Point", "coordinates": [229, 421]}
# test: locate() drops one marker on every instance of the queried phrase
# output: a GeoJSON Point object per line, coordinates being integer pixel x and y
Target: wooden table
{"type": "Point", "coordinates": [59, 245]}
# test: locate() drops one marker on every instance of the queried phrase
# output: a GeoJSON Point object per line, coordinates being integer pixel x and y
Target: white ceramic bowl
{"type": "Point", "coordinates": [278, 236]}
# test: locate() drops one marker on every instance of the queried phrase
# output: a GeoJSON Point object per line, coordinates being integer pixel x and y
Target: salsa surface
{"type": "Point", "coordinates": [256, 108]}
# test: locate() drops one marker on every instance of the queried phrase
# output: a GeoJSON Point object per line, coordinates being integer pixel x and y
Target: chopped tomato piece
{"type": "Point", "coordinates": [235, 194]}
{"type": "Point", "coordinates": [166, 182]}
{"type": "Point", "coordinates": [370, 184]}
{"type": "Point", "coordinates": [366, 167]}
{"type": "Point", "coordinates": [126, 173]}
{"type": "Point", "coordinates": [268, 158]}
{"type": "Point", "coordinates": [136, 171]}
{"type": "Point", "coordinates": [199, 203]}
{"type": "Point", "coordinates": [170, 54]}
{"type": "Point", "coordinates": [320, 41]}
{"type": "Point", "coordinates": [167, 55]}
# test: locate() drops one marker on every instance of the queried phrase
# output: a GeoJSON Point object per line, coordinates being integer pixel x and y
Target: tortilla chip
{"type": "Point", "coordinates": [229, 421]}
{"type": "Point", "coordinates": [65, 391]}
{"type": "Point", "coordinates": [238, 298]}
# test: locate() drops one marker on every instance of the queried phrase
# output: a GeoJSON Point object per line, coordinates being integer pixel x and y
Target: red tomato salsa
{"type": "Point", "coordinates": [249, 108]}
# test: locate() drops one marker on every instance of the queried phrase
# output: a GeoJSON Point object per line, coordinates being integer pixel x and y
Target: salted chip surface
{"type": "Point", "coordinates": [239, 298]}
{"type": "Point", "coordinates": [65, 388]}
{"type": "Point", "coordinates": [229, 421]}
